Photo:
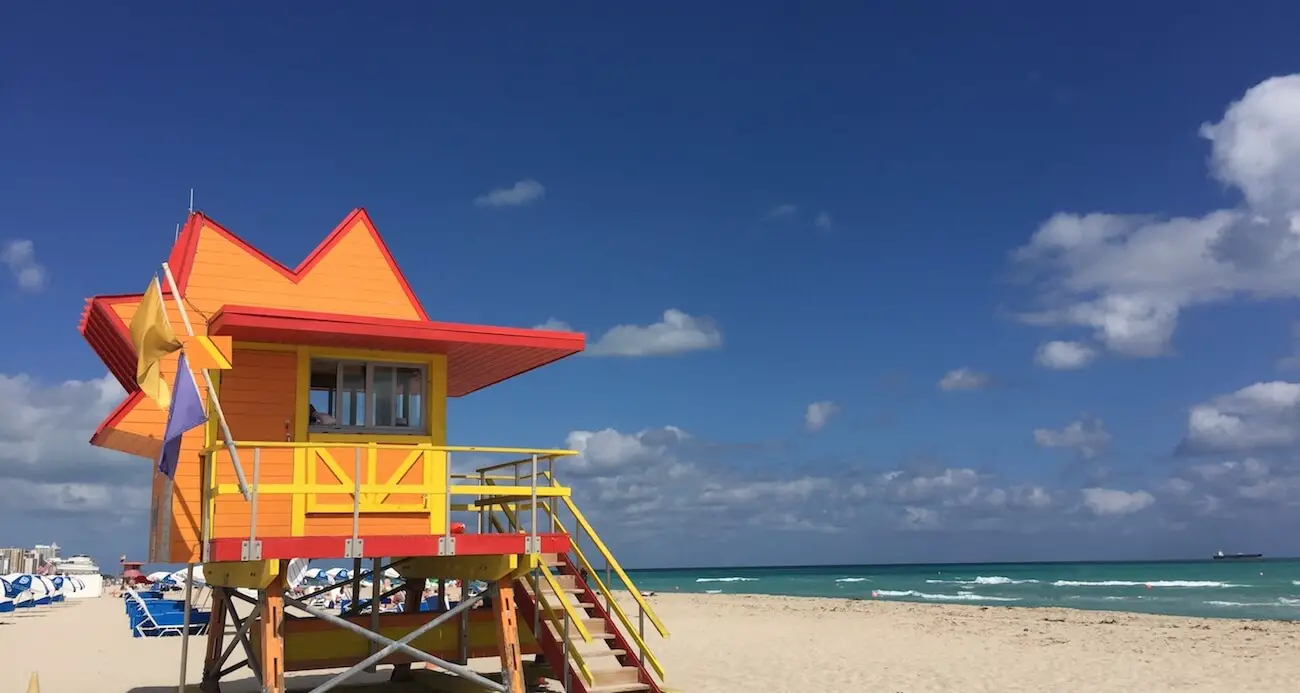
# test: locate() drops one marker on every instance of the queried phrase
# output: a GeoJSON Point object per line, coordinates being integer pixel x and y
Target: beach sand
{"type": "Point", "coordinates": [752, 644]}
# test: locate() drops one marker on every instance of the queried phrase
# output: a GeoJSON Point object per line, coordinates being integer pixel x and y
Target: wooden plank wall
{"type": "Point", "coordinates": [258, 397]}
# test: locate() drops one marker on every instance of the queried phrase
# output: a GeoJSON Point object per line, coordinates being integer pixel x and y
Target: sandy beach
{"type": "Point", "coordinates": [739, 644]}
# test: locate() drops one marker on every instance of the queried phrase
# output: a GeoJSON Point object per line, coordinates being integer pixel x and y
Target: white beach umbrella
{"type": "Point", "coordinates": [296, 573]}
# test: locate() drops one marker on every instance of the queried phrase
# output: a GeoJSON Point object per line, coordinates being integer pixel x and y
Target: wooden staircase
{"type": "Point", "coordinates": [612, 660]}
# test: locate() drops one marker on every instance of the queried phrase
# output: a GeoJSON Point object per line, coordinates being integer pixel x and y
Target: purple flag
{"type": "Point", "coordinates": [186, 412]}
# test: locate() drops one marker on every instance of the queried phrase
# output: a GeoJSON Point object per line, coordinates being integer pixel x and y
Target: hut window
{"type": "Point", "coordinates": [356, 395]}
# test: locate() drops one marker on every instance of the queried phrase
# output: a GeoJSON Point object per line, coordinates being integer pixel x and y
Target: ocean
{"type": "Point", "coordinates": [1254, 589]}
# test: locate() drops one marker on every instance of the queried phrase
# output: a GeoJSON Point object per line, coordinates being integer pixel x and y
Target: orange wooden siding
{"type": "Point", "coordinates": [340, 525]}
{"type": "Point", "coordinates": [258, 396]}
{"type": "Point", "coordinates": [353, 278]}
{"type": "Point", "coordinates": [147, 421]}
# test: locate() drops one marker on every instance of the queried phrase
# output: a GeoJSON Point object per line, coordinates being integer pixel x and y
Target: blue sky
{"type": "Point", "coordinates": [841, 201]}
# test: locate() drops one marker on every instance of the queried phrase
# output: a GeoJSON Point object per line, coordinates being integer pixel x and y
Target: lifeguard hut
{"type": "Point", "coordinates": [325, 391]}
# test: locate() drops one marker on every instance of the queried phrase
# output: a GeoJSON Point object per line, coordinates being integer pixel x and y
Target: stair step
{"type": "Point", "coordinates": [573, 637]}
{"type": "Point", "coordinates": [595, 627]}
{"type": "Point", "coordinates": [546, 589]}
{"type": "Point", "coordinates": [606, 677]}
{"type": "Point", "coordinates": [619, 688]}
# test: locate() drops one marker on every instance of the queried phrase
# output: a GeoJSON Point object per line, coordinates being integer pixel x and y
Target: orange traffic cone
{"type": "Point", "coordinates": [34, 685]}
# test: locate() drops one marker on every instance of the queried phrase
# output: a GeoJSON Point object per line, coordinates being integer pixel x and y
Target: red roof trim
{"type": "Point", "coordinates": [477, 355]}
{"type": "Point", "coordinates": [110, 337]}
{"type": "Point", "coordinates": [116, 416]}
{"type": "Point", "coordinates": [230, 317]}
{"type": "Point", "coordinates": [182, 256]}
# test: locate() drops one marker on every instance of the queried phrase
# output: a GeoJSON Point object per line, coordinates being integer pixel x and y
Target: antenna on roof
{"type": "Point", "coordinates": [178, 234]}
{"type": "Point", "coordinates": [191, 200]}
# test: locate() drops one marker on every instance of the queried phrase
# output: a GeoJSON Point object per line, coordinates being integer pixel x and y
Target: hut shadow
{"type": "Point", "coordinates": [424, 681]}
{"type": "Point", "coordinates": [300, 684]}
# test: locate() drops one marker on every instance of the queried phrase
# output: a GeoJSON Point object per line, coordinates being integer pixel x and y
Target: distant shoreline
{"type": "Point", "coordinates": [831, 566]}
{"type": "Point", "coordinates": [964, 607]}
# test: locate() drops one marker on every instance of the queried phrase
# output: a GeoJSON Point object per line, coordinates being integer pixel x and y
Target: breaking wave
{"type": "Point", "coordinates": [1152, 583]}
{"type": "Point", "coordinates": [959, 597]}
{"type": "Point", "coordinates": [982, 580]}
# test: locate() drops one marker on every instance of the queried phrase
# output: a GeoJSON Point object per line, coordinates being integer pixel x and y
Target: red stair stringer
{"type": "Point", "coordinates": [551, 647]}
{"type": "Point", "coordinates": [631, 659]}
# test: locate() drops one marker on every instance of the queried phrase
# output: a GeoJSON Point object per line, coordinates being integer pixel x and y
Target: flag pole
{"type": "Point", "coordinates": [185, 632]}
{"type": "Point", "coordinates": [212, 392]}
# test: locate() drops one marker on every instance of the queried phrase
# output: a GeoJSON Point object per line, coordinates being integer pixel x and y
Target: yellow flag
{"type": "Point", "coordinates": [152, 335]}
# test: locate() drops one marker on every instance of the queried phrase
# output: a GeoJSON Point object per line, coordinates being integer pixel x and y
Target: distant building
{"type": "Point", "coordinates": [13, 560]}
{"type": "Point", "coordinates": [40, 556]}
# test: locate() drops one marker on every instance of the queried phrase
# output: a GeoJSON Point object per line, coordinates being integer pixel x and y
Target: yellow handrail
{"type": "Point", "coordinates": [542, 456]}
{"type": "Point", "coordinates": [339, 489]}
{"type": "Point", "coordinates": [632, 630]}
{"type": "Point", "coordinates": [568, 608]}
{"type": "Point", "coordinates": [613, 564]}
{"type": "Point", "coordinates": [475, 477]}
{"type": "Point", "coordinates": [543, 604]}
{"type": "Point", "coordinates": [555, 587]}
{"type": "Point", "coordinates": [647, 654]}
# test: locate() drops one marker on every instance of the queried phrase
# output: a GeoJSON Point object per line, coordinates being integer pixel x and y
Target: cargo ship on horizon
{"type": "Point", "coordinates": [1221, 556]}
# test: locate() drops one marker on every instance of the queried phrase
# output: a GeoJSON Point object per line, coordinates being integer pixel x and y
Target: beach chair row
{"type": "Point", "coordinates": [151, 616]}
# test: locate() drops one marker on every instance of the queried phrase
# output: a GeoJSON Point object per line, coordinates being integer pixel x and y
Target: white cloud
{"type": "Point", "coordinates": [521, 193]}
{"type": "Point", "coordinates": [20, 257]}
{"type": "Point", "coordinates": [46, 461]}
{"type": "Point", "coordinates": [1063, 356]}
{"type": "Point", "coordinates": [783, 212]}
{"type": "Point", "coordinates": [554, 325]}
{"type": "Point", "coordinates": [823, 222]}
{"type": "Point", "coordinates": [1128, 278]}
{"type": "Point", "coordinates": [818, 414]}
{"type": "Point", "coordinates": [74, 498]}
{"type": "Point", "coordinates": [607, 450]}
{"type": "Point", "coordinates": [676, 333]}
{"type": "Point", "coordinates": [1236, 488]}
{"type": "Point", "coordinates": [964, 379]}
{"type": "Point", "coordinates": [640, 481]}
{"type": "Point", "coordinates": [1263, 415]}
{"type": "Point", "coordinates": [1108, 502]}
{"type": "Point", "coordinates": [1086, 436]}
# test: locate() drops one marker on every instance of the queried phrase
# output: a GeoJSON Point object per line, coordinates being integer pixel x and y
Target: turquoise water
{"type": "Point", "coordinates": [1257, 589]}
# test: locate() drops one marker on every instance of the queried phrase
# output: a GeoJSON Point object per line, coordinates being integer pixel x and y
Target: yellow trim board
{"type": "Point", "coordinates": [210, 353]}
{"type": "Point", "coordinates": [488, 568]}
{"type": "Point", "coordinates": [249, 574]}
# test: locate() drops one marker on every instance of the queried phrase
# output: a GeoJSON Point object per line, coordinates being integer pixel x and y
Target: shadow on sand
{"type": "Point", "coordinates": [425, 681]}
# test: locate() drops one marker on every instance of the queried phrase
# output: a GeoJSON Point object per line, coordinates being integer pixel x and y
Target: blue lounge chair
{"type": "Point", "coordinates": [153, 618]}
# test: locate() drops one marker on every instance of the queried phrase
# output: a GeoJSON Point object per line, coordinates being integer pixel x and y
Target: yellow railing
{"type": "Point", "coordinates": [635, 631]}
{"type": "Point", "coordinates": [571, 616]}
{"type": "Point", "coordinates": [282, 444]}
{"type": "Point", "coordinates": [569, 613]}
{"type": "Point", "coordinates": [430, 487]}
